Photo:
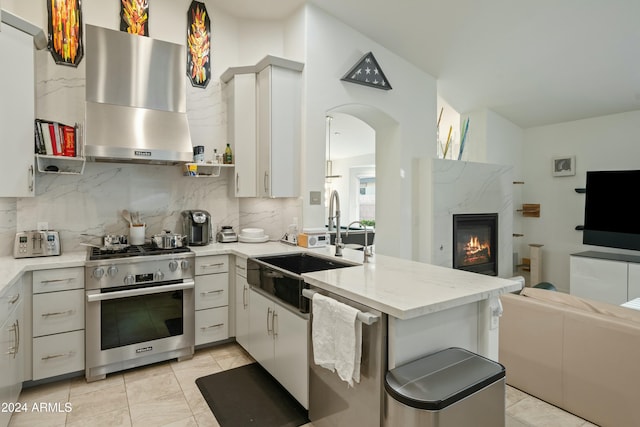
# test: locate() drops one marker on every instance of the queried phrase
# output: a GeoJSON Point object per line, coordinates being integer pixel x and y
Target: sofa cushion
{"type": "Point", "coordinates": [530, 346]}
{"type": "Point", "coordinates": [583, 304]}
{"type": "Point", "coordinates": [600, 369]}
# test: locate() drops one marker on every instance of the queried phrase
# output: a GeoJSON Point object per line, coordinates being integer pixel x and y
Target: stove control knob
{"type": "Point", "coordinates": [173, 265]}
{"type": "Point", "coordinates": [112, 270]}
{"type": "Point", "coordinates": [158, 276]}
{"type": "Point", "coordinates": [129, 279]}
{"type": "Point", "coordinates": [98, 272]}
{"type": "Point", "coordinates": [185, 264]}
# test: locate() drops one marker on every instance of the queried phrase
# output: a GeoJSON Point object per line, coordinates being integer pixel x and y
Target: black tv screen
{"type": "Point", "coordinates": [611, 217]}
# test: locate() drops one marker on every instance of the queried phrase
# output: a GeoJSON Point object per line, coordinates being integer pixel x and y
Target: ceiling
{"type": "Point", "coordinates": [534, 63]}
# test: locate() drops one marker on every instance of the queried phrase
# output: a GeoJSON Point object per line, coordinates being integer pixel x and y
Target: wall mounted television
{"type": "Point", "coordinates": [611, 216]}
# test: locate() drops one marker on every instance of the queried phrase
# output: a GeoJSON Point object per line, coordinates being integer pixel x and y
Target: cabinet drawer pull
{"type": "Point", "coordinates": [17, 332]}
{"type": "Point", "coordinates": [217, 325]}
{"type": "Point", "coordinates": [218, 291]}
{"type": "Point", "coordinates": [55, 356]}
{"type": "Point", "coordinates": [244, 297]}
{"type": "Point", "coordinates": [15, 328]}
{"type": "Point", "coordinates": [241, 267]}
{"type": "Point", "coordinates": [31, 179]}
{"type": "Point", "coordinates": [218, 264]}
{"type": "Point", "coordinates": [269, 329]}
{"type": "Point", "coordinates": [275, 324]}
{"type": "Point", "coordinates": [47, 282]}
{"type": "Point", "coordinates": [59, 313]}
{"type": "Point", "coordinates": [14, 299]}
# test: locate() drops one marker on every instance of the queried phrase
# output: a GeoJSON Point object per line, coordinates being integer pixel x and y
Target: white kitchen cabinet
{"type": "Point", "coordinates": [58, 312]}
{"type": "Point", "coordinates": [601, 277]}
{"type": "Point", "coordinates": [241, 133]}
{"type": "Point", "coordinates": [211, 325]}
{"type": "Point", "coordinates": [278, 341]}
{"type": "Point", "coordinates": [211, 299]}
{"type": "Point", "coordinates": [279, 130]}
{"type": "Point", "coordinates": [633, 281]}
{"type": "Point", "coordinates": [11, 350]}
{"type": "Point", "coordinates": [242, 302]}
{"type": "Point", "coordinates": [17, 113]}
{"type": "Point", "coordinates": [212, 264]}
{"type": "Point", "coordinates": [58, 320]}
{"type": "Point", "coordinates": [59, 279]}
{"type": "Point", "coordinates": [58, 354]}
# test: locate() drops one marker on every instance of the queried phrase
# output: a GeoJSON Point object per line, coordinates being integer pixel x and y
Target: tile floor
{"type": "Point", "coordinates": [165, 394]}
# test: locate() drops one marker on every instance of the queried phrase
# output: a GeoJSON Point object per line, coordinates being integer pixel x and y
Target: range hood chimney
{"type": "Point", "coordinates": [135, 99]}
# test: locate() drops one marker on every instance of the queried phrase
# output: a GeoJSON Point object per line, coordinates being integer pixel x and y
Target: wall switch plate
{"type": "Point", "coordinates": [315, 197]}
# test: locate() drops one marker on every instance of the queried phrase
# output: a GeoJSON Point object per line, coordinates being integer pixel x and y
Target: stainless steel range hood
{"type": "Point", "coordinates": [135, 99]}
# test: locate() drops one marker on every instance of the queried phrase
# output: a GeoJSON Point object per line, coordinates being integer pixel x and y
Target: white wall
{"type": "Point", "coordinates": [404, 120]}
{"type": "Point", "coordinates": [601, 143]}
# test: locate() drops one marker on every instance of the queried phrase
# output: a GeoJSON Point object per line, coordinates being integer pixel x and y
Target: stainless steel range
{"type": "Point", "coordinates": [139, 307]}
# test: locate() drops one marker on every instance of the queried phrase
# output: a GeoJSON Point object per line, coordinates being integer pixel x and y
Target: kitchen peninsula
{"type": "Point", "coordinates": [429, 307]}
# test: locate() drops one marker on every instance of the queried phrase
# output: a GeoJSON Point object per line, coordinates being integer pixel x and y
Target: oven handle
{"type": "Point", "coordinates": [187, 284]}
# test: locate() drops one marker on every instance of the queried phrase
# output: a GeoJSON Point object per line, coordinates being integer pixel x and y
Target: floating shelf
{"type": "Point", "coordinates": [581, 190]}
{"type": "Point", "coordinates": [526, 264]}
{"type": "Point", "coordinates": [65, 165]}
{"type": "Point", "coordinates": [530, 210]}
{"type": "Point", "coordinates": [204, 170]}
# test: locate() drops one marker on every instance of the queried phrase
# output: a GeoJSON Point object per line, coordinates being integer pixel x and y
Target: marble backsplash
{"type": "Point", "coordinates": [83, 208]}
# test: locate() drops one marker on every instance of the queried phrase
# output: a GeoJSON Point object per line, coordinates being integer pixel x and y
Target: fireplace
{"type": "Point", "coordinates": [475, 243]}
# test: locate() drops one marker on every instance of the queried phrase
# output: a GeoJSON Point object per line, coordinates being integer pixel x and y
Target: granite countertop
{"type": "Point", "coordinates": [401, 288]}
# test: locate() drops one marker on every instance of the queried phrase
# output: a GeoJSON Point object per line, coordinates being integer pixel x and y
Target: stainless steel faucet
{"type": "Point", "coordinates": [367, 251]}
{"type": "Point", "coordinates": [338, 243]}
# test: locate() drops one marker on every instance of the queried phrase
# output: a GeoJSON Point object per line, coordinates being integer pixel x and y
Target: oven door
{"type": "Point", "coordinates": [137, 325]}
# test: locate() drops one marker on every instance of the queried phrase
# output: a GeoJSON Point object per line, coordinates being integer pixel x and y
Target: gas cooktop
{"type": "Point", "coordinates": [147, 249]}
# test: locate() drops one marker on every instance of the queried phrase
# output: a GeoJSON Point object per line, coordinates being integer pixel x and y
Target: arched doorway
{"type": "Point", "coordinates": [390, 219]}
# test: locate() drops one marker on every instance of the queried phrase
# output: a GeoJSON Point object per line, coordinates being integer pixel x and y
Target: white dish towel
{"type": "Point", "coordinates": [336, 338]}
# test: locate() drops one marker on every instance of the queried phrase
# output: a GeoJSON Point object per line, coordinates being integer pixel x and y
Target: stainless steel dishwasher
{"type": "Point", "coordinates": [332, 403]}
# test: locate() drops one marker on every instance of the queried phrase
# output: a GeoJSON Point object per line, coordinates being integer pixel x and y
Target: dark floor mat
{"type": "Point", "coordinates": [250, 396]}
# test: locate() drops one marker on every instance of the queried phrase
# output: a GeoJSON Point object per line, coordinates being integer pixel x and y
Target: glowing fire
{"type": "Point", "coordinates": [476, 251]}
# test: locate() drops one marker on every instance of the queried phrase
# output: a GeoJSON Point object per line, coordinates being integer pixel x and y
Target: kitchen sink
{"type": "Point", "coordinates": [303, 263]}
{"type": "Point", "coordinates": [280, 275]}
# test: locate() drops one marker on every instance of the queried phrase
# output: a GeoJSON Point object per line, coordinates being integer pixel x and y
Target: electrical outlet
{"type": "Point", "coordinates": [315, 197]}
{"type": "Point", "coordinates": [43, 226]}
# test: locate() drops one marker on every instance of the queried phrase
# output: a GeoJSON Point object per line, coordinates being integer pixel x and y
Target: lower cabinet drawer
{"type": "Point", "coordinates": [58, 279]}
{"type": "Point", "coordinates": [212, 325]}
{"type": "Point", "coordinates": [212, 290]}
{"type": "Point", "coordinates": [58, 354]}
{"type": "Point", "coordinates": [57, 312]}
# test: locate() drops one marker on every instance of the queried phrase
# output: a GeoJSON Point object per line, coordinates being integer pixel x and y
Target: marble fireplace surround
{"type": "Point", "coordinates": [449, 187]}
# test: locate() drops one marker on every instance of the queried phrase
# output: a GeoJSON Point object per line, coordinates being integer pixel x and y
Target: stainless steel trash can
{"type": "Point", "coordinates": [450, 388]}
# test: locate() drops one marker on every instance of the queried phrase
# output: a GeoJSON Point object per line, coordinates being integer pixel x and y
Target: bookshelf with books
{"type": "Point", "coordinates": [58, 147]}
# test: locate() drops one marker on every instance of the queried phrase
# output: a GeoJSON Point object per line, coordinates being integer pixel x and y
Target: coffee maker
{"type": "Point", "coordinates": [196, 225]}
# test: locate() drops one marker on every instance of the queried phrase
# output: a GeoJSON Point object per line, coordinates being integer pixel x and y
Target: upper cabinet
{"type": "Point", "coordinates": [17, 112]}
{"type": "Point", "coordinates": [264, 105]}
{"type": "Point", "coordinates": [279, 131]}
{"type": "Point", "coordinates": [241, 132]}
